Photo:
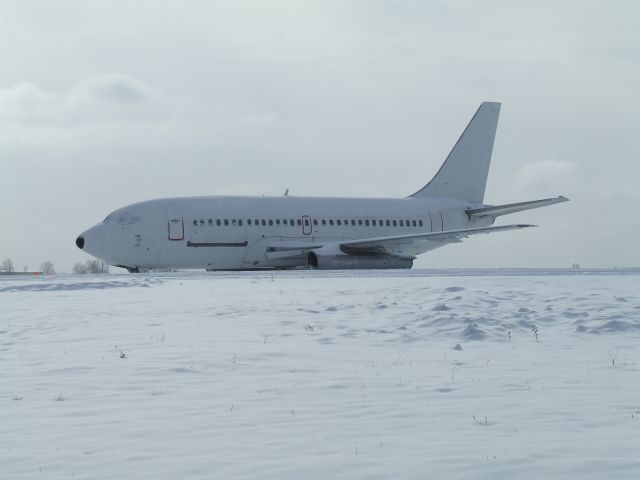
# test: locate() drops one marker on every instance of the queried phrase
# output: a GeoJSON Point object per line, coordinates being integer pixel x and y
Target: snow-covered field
{"type": "Point", "coordinates": [321, 375]}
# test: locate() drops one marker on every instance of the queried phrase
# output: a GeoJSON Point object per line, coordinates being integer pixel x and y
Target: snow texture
{"type": "Point", "coordinates": [420, 374]}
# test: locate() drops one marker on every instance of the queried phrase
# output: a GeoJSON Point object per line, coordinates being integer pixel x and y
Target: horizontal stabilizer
{"type": "Point", "coordinates": [497, 210]}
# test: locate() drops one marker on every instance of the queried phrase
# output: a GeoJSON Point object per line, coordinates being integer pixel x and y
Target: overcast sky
{"type": "Point", "coordinates": [105, 103]}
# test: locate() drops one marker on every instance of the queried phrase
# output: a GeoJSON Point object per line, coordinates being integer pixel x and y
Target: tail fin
{"type": "Point", "coordinates": [463, 175]}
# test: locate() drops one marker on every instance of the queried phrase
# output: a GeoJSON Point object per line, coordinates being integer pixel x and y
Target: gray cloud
{"type": "Point", "coordinates": [548, 174]}
{"type": "Point", "coordinates": [117, 87]}
{"type": "Point", "coordinates": [96, 99]}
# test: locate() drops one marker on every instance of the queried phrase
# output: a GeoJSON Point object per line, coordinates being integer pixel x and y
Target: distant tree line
{"type": "Point", "coordinates": [92, 267]}
{"type": "Point", "coordinates": [47, 268]}
{"type": "Point", "coordinates": [7, 266]}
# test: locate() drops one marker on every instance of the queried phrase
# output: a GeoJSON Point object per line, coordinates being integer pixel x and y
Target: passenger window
{"type": "Point", "coordinates": [315, 222]}
{"type": "Point", "coordinates": [218, 222]}
{"type": "Point", "coordinates": [284, 221]}
{"type": "Point", "coordinates": [233, 222]}
{"type": "Point", "coordinates": [306, 222]}
{"type": "Point", "coordinates": [263, 222]}
{"type": "Point", "coordinates": [299, 222]}
{"type": "Point", "coordinates": [366, 222]}
{"type": "Point", "coordinates": [413, 222]}
{"type": "Point", "coordinates": [195, 222]}
{"type": "Point", "coordinates": [339, 222]}
{"type": "Point", "coordinates": [373, 222]}
{"type": "Point", "coordinates": [210, 222]}
{"type": "Point", "coordinates": [395, 223]}
{"type": "Point", "coordinates": [201, 221]}
{"type": "Point", "coordinates": [291, 222]}
{"type": "Point", "coordinates": [240, 222]}
{"type": "Point", "coordinates": [248, 221]}
{"type": "Point", "coordinates": [359, 222]}
{"type": "Point", "coordinates": [226, 222]}
{"type": "Point", "coordinates": [331, 221]}
{"type": "Point", "coordinates": [402, 223]}
{"type": "Point", "coordinates": [420, 222]}
{"type": "Point", "coordinates": [324, 222]}
{"type": "Point", "coordinates": [353, 222]}
{"type": "Point", "coordinates": [388, 223]}
{"type": "Point", "coordinates": [277, 221]}
{"type": "Point", "coordinates": [270, 222]}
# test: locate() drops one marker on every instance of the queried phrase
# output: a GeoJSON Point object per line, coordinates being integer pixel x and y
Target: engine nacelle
{"type": "Point", "coordinates": [334, 259]}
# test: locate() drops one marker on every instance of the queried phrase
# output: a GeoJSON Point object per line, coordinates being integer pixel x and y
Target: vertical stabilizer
{"type": "Point", "coordinates": [463, 175]}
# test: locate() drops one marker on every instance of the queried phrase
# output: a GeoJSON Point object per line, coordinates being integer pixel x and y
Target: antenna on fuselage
{"type": "Point", "coordinates": [286, 192]}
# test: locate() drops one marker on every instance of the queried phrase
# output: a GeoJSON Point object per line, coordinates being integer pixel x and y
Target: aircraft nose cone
{"type": "Point", "coordinates": [92, 241]}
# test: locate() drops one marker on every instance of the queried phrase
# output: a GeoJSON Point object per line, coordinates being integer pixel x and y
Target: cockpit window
{"type": "Point", "coordinates": [127, 219]}
{"type": "Point", "coordinates": [122, 217]}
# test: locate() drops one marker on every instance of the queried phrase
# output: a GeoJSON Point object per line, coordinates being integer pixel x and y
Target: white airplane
{"type": "Point", "coordinates": [249, 233]}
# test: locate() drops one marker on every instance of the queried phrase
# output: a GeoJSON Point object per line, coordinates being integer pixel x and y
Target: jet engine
{"type": "Point", "coordinates": [327, 258]}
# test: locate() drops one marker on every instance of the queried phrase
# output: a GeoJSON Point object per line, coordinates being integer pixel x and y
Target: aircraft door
{"type": "Point", "coordinates": [176, 229]}
{"type": "Point", "coordinates": [437, 221]}
{"type": "Point", "coordinates": [307, 227]}
{"type": "Point", "coordinates": [175, 225]}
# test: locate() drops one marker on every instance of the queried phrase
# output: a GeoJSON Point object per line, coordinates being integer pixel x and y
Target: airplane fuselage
{"type": "Point", "coordinates": [234, 233]}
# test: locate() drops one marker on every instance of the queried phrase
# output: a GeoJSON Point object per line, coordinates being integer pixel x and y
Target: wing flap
{"type": "Point", "coordinates": [383, 245]}
{"type": "Point", "coordinates": [390, 244]}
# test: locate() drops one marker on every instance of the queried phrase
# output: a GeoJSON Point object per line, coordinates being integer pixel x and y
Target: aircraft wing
{"type": "Point", "coordinates": [402, 245]}
{"type": "Point", "coordinates": [412, 244]}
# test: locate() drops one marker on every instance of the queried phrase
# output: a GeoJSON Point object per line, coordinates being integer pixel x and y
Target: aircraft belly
{"type": "Point", "coordinates": [214, 247]}
{"type": "Point", "coordinates": [256, 254]}
{"type": "Point", "coordinates": [218, 257]}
